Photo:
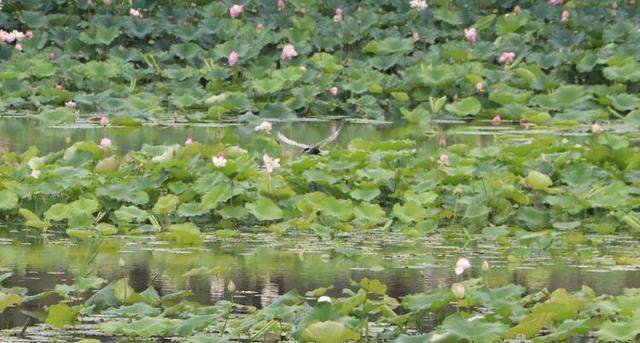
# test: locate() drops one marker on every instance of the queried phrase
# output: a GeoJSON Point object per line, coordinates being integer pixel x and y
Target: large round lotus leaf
{"type": "Point", "coordinates": [537, 181]}
{"type": "Point", "coordinates": [465, 107]}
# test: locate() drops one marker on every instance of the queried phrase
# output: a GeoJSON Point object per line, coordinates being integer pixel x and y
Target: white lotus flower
{"type": "Point", "coordinates": [462, 264]}
{"type": "Point", "coordinates": [324, 299]}
{"type": "Point", "coordinates": [264, 126]}
{"type": "Point", "coordinates": [35, 173]}
{"type": "Point", "coordinates": [36, 162]}
{"type": "Point", "coordinates": [420, 5]}
{"type": "Point", "coordinates": [271, 163]}
{"type": "Point", "coordinates": [219, 161]}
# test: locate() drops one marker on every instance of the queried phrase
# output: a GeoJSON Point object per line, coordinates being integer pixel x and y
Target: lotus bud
{"type": "Point", "coordinates": [458, 290]}
{"type": "Point", "coordinates": [231, 286]}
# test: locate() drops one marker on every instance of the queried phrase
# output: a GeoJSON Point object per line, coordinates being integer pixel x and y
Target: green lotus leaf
{"type": "Point", "coordinates": [477, 330]}
{"type": "Point", "coordinates": [131, 213]}
{"type": "Point", "coordinates": [61, 315]}
{"type": "Point", "coordinates": [537, 181]}
{"type": "Point", "coordinates": [625, 102]}
{"type": "Point", "coordinates": [329, 332]}
{"type": "Point", "coordinates": [166, 204]}
{"type": "Point", "coordinates": [99, 35]}
{"type": "Point", "coordinates": [8, 200]}
{"type": "Point", "coordinates": [57, 116]}
{"type": "Point", "coordinates": [8, 300]}
{"type": "Point", "coordinates": [185, 234]}
{"type": "Point", "coordinates": [264, 209]}
{"type": "Point", "coordinates": [464, 107]}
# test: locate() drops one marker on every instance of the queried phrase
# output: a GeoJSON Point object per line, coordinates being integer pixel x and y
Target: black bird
{"type": "Point", "coordinates": [312, 149]}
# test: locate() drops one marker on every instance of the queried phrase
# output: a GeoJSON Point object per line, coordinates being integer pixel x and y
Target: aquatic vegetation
{"type": "Point", "coordinates": [543, 184]}
{"type": "Point", "coordinates": [543, 62]}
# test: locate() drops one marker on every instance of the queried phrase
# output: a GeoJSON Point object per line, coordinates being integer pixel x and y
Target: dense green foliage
{"type": "Point", "coordinates": [543, 183]}
{"type": "Point", "coordinates": [172, 63]}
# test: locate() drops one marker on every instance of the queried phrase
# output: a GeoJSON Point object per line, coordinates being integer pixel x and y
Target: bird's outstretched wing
{"type": "Point", "coordinates": [286, 140]}
{"type": "Point", "coordinates": [331, 138]}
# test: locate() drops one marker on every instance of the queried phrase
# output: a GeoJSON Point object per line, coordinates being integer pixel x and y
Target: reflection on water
{"type": "Point", "coordinates": [20, 134]}
{"type": "Point", "coordinates": [262, 273]}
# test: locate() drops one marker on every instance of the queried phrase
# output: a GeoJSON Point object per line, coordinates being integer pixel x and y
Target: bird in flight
{"type": "Point", "coordinates": [311, 149]}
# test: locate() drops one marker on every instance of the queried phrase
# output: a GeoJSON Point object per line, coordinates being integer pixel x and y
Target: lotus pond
{"type": "Point", "coordinates": [480, 182]}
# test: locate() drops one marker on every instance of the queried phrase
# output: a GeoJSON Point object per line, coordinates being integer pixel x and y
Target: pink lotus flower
{"type": "Point", "coordinates": [565, 16]}
{"type": "Point", "coordinates": [458, 290]}
{"type": "Point", "coordinates": [104, 121]}
{"type": "Point", "coordinates": [338, 16]}
{"type": "Point", "coordinates": [442, 143]}
{"type": "Point", "coordinates": [334, 91]}
{"type": "Point", "coordinates": [233, 58]}
{"type": "Point", "coordinates": [596, 128]}
{"type": "Point", "coordinates": [235, 11]}
{"type": "Point", "coordinates": [471, 34]}
{"type": "Point", "coordinates": [105, 143]}
{"type": "Point", "coordinates": [18, 47]}
{"type": "Point", "coordinates": [188, 142]}
{"type": "Point", "coordinates": [415, 36]}
{"type": "Point", "coordinates": [58, 87]}
{"type": "Point", "coordinates": [555, 2]}
{"type": "Point", "coordinates": [288, 52]}
{"type": "Point", "coordinates": [517, 10]}
{"type": "Point", "coordinates": [219, 161]}
{"type": "Point", "coordinates": [280, 5]}
{"type": "Point", "coordinates": [479, 87]}
{"type": "Point", "coordinates": [106, 2]}
{"type": "Point", "coordinates": [496, 120]}
{"type": "Point", "coordinates": [70, 104]}
{"type": "Point", "coordinates": [29, 34]}
{"type": "Point", "coordinates": [135, 13]}
{"type": "Point", "coordinates": [259, 26]}
{"type": "Point", "coordinates": [444, 160]}
{"type": "Point", "coordinates": [506, 58]}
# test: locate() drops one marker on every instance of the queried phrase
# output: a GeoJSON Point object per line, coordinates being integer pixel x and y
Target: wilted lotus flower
{"type": "Point", "coordinates": [70, 104]}
{"type": "Point", "coordinates": [596, 128]}
{"type": "Point", "coordinates": [479, 87]}
{"type": "Point", "coordinates": [458, 290]}
{"type": "Point", "coordinates": [104, 121]}
{"type": "Point", "coordinates": [555, 2]}
{"type": "Point", "coordinates": [496, 120]}
{"type": "Point", "coordinates": [270, 163]}
{"type": "Point", "coordinates": [506, 58]}
{"type": "Point", "coordinates": [280, 5]}
{"type": "Point", "coordinates": [260, 26]}
{"type": "Point", "coordinates": [265, 126]}
{"type": "Point", "coordinates": [235, 10]}
{"type": "Point", "coordinates": [135, 13]}
{"type": "Point", "coordinates": [444, 160]}
{"type": "Point", "coordinates": [29, 34]}
{"type": "Point", "coordinates": [58, 87]}
{"type": "Point", "coordinates": [219, 161]}
{"type": "Point", "coordinates": [52, 56]}
{"type": "Point", "coordinates": [485, 266]}
{"type": "Point", "coordinates": [35, 174]}
{"type": "Point", "coordinates": [338, 16]}
{"type": "Point", "coordinates": [462, 264]}
{"type": "Point", "coordinates": [565, 16]}
{"type": "Point", "coordinates": [471, 34]}
{"type": "Point", "coordinates": [188, 142]}
{"type": "Point", "coordinates": [288, 52]}
{"type": "Point", "coordinates": [419, 5]}
{"type": "Point", "coordinates": [324, 299]}
{"type": "Point", "coordinates": [442, 143]}
{"type": "Point", "coordinates": [105, 143]}
{"type": "Point", "coordinates": [333, 91]}
{"type": "Point", "coordinates": [233, 58]}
